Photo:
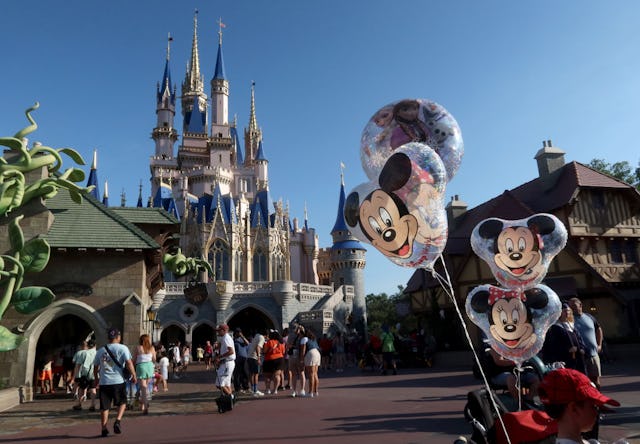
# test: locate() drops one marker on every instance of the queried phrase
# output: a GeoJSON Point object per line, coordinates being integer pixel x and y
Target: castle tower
{"type": "Point", "coordinates": [193, 90]}
{"type": "Point", "coordinates": [347, 261]}
{"type": "Point", "coordinates": [252, 134]}
{"type": "Point", "coordinates": [164, 134]}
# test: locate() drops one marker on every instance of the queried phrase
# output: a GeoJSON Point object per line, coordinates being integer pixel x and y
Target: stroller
{"type": "Point", "coordinates": [531, 425]}
{"type": "Point", "coordinates": [523, 427]}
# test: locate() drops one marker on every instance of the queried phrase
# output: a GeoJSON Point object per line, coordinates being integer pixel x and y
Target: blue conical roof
{"type": "Point", "coordinates": [260, 154]}
{"type": "Point", "coordinates": [166, 87]}
{"type": "Point", "coordinates": [236, 139]}
{"type": "Point", "coordinates": [196, 118]}
{"type": "Point", "coordinates": [341, 224]}
{"type": "Point", "coordinates": [219, 73]}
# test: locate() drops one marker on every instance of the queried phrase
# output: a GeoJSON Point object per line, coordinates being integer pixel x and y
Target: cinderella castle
{"type": "Point", "coordinates": [268, 268]}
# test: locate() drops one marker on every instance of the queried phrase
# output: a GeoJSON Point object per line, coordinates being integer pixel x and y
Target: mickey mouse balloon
{"type": "Point", "coordinates": [514, 322]}
{"type": "Point", "coordinates": [519, 251]}
{"type": "Point", "coordinates": [402, 213]}
{"type": "Point", "coordinates": [410, 120]}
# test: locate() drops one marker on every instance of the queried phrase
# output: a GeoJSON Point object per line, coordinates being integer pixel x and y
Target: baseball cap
{"type": "Point", "coordinates": [566, 385]}
{"type": "Point", "coordinates": [224, 327]}
{"type": "Point", "coordinates": [113, 333]}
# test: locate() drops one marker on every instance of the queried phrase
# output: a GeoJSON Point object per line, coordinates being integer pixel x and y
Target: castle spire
{"type": "Point", "coordinates": [93, 177]}
{"type": "Point", "coordinates": [219, 72]}
{"type": "Point", "coordinates": [193, 82]}
{"type": "Point", "coordinates": [139, 203]}
{"type": "Point", "coordinates": [105, 197]}
{"type": "Point", "coordinates": [253, 122]}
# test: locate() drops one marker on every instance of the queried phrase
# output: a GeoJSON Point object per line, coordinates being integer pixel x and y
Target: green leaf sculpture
{"type": "Point", "coordinates": [31, 255]}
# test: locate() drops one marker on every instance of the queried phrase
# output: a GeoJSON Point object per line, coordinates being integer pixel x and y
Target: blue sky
{"type": "Point", "coordinates": [512, 74]}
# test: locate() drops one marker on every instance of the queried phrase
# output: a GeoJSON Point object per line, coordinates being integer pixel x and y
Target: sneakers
{"type": "Point", "coordinates": [257, 394]}
{"type": "Point", "coordinates": [269, 392]}
{"type": "Point", "coordinates": [293, 394]}
{"type": "Point", "coordinates": [275, 392]}
{"type": "Point", "coordinates": [116, 427]}
{"type": "Point", "coordinates": [302, 393]}
{"type": "Point", "coordinates": [105, 432]}
{"type": "Point", "coordinates": [310, 395]}
{"type": "Point", "coordinates": [287, 387]}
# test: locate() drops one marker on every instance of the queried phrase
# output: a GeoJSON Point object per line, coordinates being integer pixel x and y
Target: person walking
{"type": "Point", "coordinates": [254, 353]}
{"type": "Point", "coordinates": [208, 355]}
{"type": "Point", "coordinates": [163, 365]}
{"type": "Point", "coordinates": [225, 363]}
{"type": "Point", "coordinates": [86, 382]}
{"type": "Point", "coordinates": [240, 377]}
{"type": "Point", "coordinates": [176, 360]}
{"type": "Point", "coordinates": [592, 336]}
{"type": "Point", "coordinates": [186, 356]}
{"type": "Point", "coordinates": [312, 363]}
{"type": "Point", "coordinates": [296, 361]}
{"type": "Point", "coordinates": [108, 370]}
{"type": "Point", "coordinates": [273, 362]}
{"type": "Point", "coordinates": [388, 351]}
{"type": "Point", "coordinates": [145, 356]}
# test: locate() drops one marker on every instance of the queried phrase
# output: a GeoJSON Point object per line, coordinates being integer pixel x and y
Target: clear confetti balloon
{"type": "Point", "coordinates": [402, 212]}
{"type": "Point", "coordinates": [410, 120]}
{"type": "Point", "coordinates": [519, 251]}
{"type": "Point", "coordinates": [515, 322]}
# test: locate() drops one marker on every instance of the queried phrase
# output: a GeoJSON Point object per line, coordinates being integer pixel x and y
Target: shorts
{"type": "Point", "coordinates": [114, 393]}
{"type": "Point", "coordinates": [273, 365]}
{"type": "Point", "coordinates": [312, 358]}
{"type": "Point", "coordinates": [225, 373]}
{"type": "Point", "coordinates": [86, 383]}
{"type": "Point", "coordinates": [46, 375]}
{"type": "Point", "coordinates": [252, 366]}
{"type": "Point", "coordinates": [144, 370]}
{"type": "Point", "coordinates": [592, 367]}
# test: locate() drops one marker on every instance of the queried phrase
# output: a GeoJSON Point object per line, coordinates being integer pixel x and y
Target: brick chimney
{"type": "Point", "coordinates": [455, 209]}
{"type": "Point", "coordinates": [549, 159]}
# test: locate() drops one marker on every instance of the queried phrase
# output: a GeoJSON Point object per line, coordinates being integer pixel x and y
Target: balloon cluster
{"type": "Point", "coordinates": [409, 150]}
{"type": "Point", "coordinates": [516, 316]}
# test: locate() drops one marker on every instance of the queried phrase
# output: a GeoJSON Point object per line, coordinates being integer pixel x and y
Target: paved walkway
{"type": "Point", "coordinates": [416, 406]}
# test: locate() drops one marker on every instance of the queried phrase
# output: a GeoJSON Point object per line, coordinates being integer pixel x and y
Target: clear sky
{"type": "Point", "coordinates": [512, 73]}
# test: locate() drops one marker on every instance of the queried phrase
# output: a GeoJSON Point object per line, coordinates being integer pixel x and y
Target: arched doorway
{"type": "Point", "coordinates": [58, 342]}
{"type": "Point", "coordinates": [200, 335]}
{"type": "Point", "coordinates": [171, 335]}
{"type": "Point", "coordinates": [251, 320]}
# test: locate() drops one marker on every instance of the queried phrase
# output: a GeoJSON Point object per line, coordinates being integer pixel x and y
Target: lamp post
{"type": "Point", "coordinates": [152, 317]}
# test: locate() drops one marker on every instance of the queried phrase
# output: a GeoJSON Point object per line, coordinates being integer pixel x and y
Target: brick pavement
{"type": "Point", "coordinates": [416, 406]}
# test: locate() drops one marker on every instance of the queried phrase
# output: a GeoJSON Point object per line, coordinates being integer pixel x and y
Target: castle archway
{"type": "Point", "coordinates": [201, 334]}
{"type": "Point", "coordinates": [172, 334]}
{"type": "Point", "coordinates": [251, 319]}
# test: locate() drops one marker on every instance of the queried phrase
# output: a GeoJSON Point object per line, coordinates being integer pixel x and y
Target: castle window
{"type": "Point", "coordinates": [623, 251]}
{"type": "Point", "coordinates": [219, 260]}
{"type": "Point", "coordinates": [259, 265]}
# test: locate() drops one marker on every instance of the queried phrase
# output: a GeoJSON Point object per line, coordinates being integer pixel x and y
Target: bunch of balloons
{"type": "Point", "coordinates": [515, 317]}
{"type": "Point", "coordinates": [409, 150]}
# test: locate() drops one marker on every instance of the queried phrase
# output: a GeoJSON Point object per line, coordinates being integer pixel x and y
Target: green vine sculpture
{"type": "Point", "coordinates": [32, 255]}
{"type": "Point", "coordinates": [181, 265]}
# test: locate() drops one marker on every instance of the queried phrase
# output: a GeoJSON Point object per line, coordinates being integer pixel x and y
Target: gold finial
{"type": "Point", "coordinates": [342, 167]}
{"type": "Point", "coordinates": [220, 26]}
{"type": "Point", "coordinates": [305, 210]}
{"type": "Point", "coordinates": [169, 40]}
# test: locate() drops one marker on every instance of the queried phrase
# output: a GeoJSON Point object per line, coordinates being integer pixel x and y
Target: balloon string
{"type": "Point", "coordinates": [446, 285]}
{"type": "Point", "coordinates": [517, 371]}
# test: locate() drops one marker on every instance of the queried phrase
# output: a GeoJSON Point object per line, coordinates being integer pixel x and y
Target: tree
{"type": "Point", "coordinates": [620, 170]}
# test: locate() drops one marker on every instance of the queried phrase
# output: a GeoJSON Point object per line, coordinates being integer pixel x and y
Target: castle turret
{"type": "Point", "coordinates": [348, 262]}
{"type": "Point", "coordinates": [164, 134]}
{"type": "Point", "coordinates": [252, 134]}
{"type": "Point", "coordinates": [219, 95]}
{"type": "Point", "coordinates": [193, 89]}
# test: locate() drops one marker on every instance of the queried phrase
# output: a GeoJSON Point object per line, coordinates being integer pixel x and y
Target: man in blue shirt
{"type": "Point", "coordinates": [109, 365]}
{"type": "Point", "coordinates": [592, 336]}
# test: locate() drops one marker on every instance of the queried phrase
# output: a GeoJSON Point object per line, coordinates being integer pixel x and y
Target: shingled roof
{"type": "Point", "coordinates": [141, 215]}
{"type": "Point", "coordinates": [92, 225]}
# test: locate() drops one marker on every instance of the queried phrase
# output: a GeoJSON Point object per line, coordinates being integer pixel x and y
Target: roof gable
{"type": "Point", "coordinates": [92, 225]}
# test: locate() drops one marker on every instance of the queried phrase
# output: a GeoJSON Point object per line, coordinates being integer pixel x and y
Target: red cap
{"type": "Point", "coordinates": [565, 385]}
{"type": "Point", "coordinates": [224, 327]}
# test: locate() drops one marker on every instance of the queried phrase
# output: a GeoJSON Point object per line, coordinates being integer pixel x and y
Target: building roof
{"type": "Point", "coordinates": [92, 225]}
{"type": "Point", "coordinates": [141, 215]}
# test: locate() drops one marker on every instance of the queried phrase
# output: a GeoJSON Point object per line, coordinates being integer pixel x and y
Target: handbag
{"type": "Point", "coordinates": [126, 374]}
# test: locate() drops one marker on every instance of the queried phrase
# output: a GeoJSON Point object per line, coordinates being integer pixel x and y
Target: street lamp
{"type": "Point", "coordinates": [152, 317]}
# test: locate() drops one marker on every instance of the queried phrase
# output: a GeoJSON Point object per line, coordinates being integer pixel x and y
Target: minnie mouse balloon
{"type": "Point", "coordinates": [410, 120]}
{"type": "Point", "coordinates": [402, 213]}
{"type": "Point", "coordinates": [519, 251]}
{"type": "Point", "coordinates": [514, 322]}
